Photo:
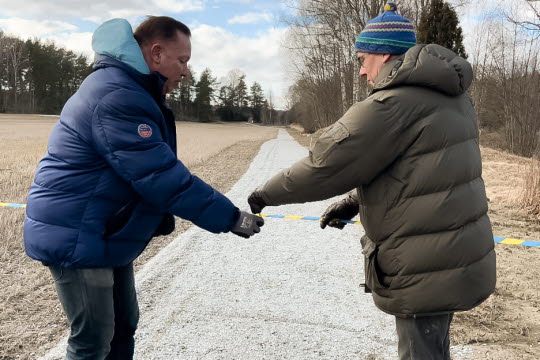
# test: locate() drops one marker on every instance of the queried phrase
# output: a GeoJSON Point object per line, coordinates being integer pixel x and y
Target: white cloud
{"type": "Point", "coordinates": [259, 58]}
{"type": "Point", "coordinates": [61, 33]}
{"type": "Point", "coordinates": [80, 43]}
{"type": "Point", "coordinates": [33, 28]}
{"type": "Point", "coordinates": [97, 10]}
{"type": "Point", "coordinates": [251, 18]}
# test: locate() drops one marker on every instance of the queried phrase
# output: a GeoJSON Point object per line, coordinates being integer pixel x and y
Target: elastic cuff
{"type": "Point", "coordinates": [267, 201]}
{"type": "Point", "coordinates": [236, 216]}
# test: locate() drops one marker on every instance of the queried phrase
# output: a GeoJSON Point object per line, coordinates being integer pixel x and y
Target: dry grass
{"type": "Point", "coordinates": [193, 150]}
{"type": "Point", "coordinates": [27, 294]}
{"type": "Point", "coordinates": [31, 319]}
{"type": "Point", "coordinates": [507, 325]}
{"type": "Point", "coordinates": [530, 198]}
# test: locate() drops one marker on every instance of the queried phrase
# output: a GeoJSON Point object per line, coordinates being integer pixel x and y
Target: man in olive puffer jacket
{"type": "Point", "coordinates": [411, 151]}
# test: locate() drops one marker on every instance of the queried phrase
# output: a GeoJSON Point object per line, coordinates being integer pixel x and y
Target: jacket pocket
{"type": "Point", "coordinates": [140, 225]}
{"type": "Point", "coordinates": [333, 135]}
{"type": "Point", "coordinates": [372, 273]}
{"type": "Point", "coordinates": [166, 226]}
{"type": "Point", "coordinates": [120, 218]}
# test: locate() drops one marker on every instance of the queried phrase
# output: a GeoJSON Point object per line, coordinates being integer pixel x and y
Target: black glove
{"type": "Point", "coordinates": [345, 209]}
{"type": "Point", "coordinates": [247, 225]}
{"type": "Point", "coordinates": [256, 202]}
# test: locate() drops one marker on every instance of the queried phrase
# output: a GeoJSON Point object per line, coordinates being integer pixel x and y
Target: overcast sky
{"type": "Point", "coordinates": [227, 34]}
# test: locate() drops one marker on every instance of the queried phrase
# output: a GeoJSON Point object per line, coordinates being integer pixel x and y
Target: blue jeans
{"type": "Point", "coordinates": [102, 311]}
{"type": "Point", "coordinates": [424, 338]}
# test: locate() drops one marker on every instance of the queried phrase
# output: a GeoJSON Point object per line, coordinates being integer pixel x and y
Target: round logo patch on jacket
{"type": "Point", "coordinates": [145, 131]}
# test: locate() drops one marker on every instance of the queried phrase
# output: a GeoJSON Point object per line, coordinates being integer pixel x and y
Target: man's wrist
{"type": "Point", "coordinates": [236, 216]}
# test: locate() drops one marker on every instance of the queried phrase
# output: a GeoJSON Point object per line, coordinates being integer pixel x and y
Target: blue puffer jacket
{"type": "Point", "coordinates": [111, 179]}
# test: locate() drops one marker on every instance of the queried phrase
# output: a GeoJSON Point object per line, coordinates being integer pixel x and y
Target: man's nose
{"type": "Point", "coordinates": [363, 71]}
{"type": "Point", "coordinates": [185, 71]}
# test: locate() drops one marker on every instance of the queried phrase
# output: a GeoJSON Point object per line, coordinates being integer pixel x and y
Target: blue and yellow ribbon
{"type": "Point", "coordinates": [311, 218]}
{"type": "Point", "coordinates": [497, 239]}
{"type": "Point", "coordinates": [12, 205]}
{"type": "Point", "coordinates": [510, 241]}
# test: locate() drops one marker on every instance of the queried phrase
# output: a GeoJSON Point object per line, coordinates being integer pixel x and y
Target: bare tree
{"type": "Point", "coordinates": [3, 71]}
{"type": "Point", "coordinates": [232, 78]}
{"type": "Point", "coordinates": [509, 70]}
{"type": "Point", "coordinates": [322, 55]}
{"type": "Point", "coordinates": [531, 22]}
{"type": "Point", "coordinates": [16, 59]}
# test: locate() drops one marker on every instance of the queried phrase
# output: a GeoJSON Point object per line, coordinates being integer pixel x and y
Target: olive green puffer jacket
{"type": "Point", "coordinates": [411, 150]}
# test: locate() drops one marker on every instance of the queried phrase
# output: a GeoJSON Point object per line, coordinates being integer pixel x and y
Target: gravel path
{"type": "Point", "coordinates": [290, 292]}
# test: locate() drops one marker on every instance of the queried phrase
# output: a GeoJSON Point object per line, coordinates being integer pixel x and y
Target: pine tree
{"type": "Point", "coordinates": [204, 91]}
{"type": "Point", "coordinates": [439, 24]}
{"type": "Point", "coordinates": [181, 99]}
{"type": "Point", "coordinates": [226, 97]}
{"type": "Point", "coordinates": [226, 103]}
{"type": "Point", "coordinates": [186, 87]}
{"type": "Point", "coordinates": [241, 94]}
{"type": "Point", "coordinates": [256, 101]}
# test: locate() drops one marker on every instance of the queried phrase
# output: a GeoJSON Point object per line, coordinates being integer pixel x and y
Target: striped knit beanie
{"type": "Point", "coordinates": [388, 33]}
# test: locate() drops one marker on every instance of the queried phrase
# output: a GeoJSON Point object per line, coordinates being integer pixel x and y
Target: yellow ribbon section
{"type": "Point", "coordinates": [512, 242]}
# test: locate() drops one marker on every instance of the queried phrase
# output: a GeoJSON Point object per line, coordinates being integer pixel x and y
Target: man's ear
{"type": "Point", "coordinates": [386, 58]}
{"type": "Point", "coordinates": [156, 52]}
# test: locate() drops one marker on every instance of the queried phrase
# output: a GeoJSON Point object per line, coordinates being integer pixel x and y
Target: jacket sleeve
{"type": "Point", "coordinates": [350, 153]}
{"type": "Point", "coordinates": [126, 133]}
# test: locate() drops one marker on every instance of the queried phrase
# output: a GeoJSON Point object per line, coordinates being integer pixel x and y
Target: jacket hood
{"type": "Point", "coordinates": [431, 66]}
{"type": "Point", "coordinates": [114, 38]}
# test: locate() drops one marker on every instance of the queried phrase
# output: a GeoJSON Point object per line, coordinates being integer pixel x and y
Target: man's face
{"type": "Point", "coordinates": [170, 58]}
{"type": "Point", "coordinates": [371, 65]}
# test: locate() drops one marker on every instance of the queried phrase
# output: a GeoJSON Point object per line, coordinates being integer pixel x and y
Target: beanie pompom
{"type": "Point", "coordinates": [390, 6]}
{"type": "Point", "coordinates": [388, 33]}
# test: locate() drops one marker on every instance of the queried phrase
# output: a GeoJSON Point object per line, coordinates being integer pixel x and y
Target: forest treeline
{"type": "Point", "coordinates": [38, 77]}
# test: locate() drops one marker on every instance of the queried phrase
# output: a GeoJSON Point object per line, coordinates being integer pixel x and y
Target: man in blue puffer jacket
{"type": "Point", "coordinates": [111, 181]}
